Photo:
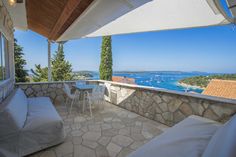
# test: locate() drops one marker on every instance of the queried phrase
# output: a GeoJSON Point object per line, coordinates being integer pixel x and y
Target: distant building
{"type": "Point", "coordinates": [123, 79]}
{"type": "Point", "coordinates": [221, 88]}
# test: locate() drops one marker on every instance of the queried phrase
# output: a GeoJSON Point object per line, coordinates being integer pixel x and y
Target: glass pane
{"type": "Point", "coordinates": [1, 71]}
{"type": "Point", "coordinates": [3, 57]}
{"type": "Point", "coordinates": [6, 59]}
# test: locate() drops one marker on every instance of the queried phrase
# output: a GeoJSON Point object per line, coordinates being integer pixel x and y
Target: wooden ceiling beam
{"type": "Point", "coordinates": [70, 6]}
{"type": "Point", "coordinates": [51, 18]}
{"type": "Point", "coordinates": [72, 10]}
{"type": "Point", "coordinates": [42, 15]}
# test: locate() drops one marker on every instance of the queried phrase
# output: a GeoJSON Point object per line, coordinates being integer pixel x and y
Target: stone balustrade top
{"type": "Point", "coordinates": [53, 82]}
{"type": "Point", "coordinates": [164, 106]}
{"type": "Point", "coordinates": [155, 89]}
{"type": "Point", "coordinates": [132, 86]}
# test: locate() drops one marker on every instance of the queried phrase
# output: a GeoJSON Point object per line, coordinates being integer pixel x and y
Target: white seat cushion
{"type": "Point", "coordinates": [223, 143]}
{"type": "Point", "coordinates": [41, 112]}
{"type": "Point", "coordinates": [43, 128]}
{"type": "Point", "coordinates": [188, 138]}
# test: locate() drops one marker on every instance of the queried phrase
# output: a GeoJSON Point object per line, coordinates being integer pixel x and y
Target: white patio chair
{"type": "Point", "coordinates": [70, 96]}
{"type": "Point", "coordinates": [96, 97]}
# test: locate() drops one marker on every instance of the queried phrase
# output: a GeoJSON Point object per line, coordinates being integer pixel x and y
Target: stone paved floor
{"type": "Point", "coordinates": [112, 131]}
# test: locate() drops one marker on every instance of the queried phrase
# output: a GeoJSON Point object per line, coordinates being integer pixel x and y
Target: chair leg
{"type": "Point", "coordinates": [101, 104]}
{"type": "Point", "coordinates": [72, 103]}
{"type": "Point", "coordinates": [66, 104]}
{"type": "Point", "coordinates": [90, 108]}
{"type": "Point", "coordinates": [84, 98]}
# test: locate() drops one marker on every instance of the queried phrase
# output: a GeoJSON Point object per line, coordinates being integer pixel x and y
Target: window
{"type": "Point", "coordinates": [4, 72]}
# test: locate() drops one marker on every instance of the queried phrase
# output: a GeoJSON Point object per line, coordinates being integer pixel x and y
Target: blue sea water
{"type": "Point", "coordinates": [162, 79]}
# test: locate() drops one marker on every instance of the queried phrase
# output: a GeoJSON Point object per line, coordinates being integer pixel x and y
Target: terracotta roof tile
{"type": "Point", "coordinates": [221, 88]}
{"type": "Point", "coordinates": [123, 79]}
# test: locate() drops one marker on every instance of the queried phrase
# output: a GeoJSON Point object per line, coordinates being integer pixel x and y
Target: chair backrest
{"type": "Point", "coordinates": [99, 90]}
{"type": "Point", "coordinates": [14, 114]}
{"type": "Point", "coordinates": [102, 89]}
{"type": "Point", "coordinates": [67, 89]}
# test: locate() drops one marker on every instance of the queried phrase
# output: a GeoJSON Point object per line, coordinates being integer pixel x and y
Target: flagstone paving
{"type": "Point", "coordinates": [112, 132]}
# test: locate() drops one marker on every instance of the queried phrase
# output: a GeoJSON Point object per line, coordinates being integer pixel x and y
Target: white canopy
{"type": "Point", "coordinates": [153, 15]}
{"type": "Point", "coordinates": [110, 17]}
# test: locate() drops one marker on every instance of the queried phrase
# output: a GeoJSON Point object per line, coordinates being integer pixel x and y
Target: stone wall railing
{"type": "Point", "coordinates": [167, 107]}
{"type": "Point", "coordinates": [54, 90]}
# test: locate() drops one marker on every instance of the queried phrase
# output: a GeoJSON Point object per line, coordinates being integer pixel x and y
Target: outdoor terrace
{"type": "Point", "coordinates": [161, 105]}
{"type": "Point", "coordinates": [130, 117]}
{"type": "Point", "coordinates": [112, 131]}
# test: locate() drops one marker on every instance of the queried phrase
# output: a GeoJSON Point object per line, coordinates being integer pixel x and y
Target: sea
{"type": "Point", "coordinates": [161, 79]}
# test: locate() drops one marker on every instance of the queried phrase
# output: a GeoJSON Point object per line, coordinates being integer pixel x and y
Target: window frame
{"type": "Point", "coordinates": [6, 57]}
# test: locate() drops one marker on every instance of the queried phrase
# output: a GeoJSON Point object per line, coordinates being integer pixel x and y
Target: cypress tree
{"type": "Point", "coordinates": [61, 69]}
{"type": "Point", "coordinates": [105, 68]}
{"type": "Point", "coordinates": [20, 73]}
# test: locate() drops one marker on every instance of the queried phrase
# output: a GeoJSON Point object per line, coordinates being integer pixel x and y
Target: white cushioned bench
{"type": "Point", "coordinates": [28, 125]}
{"type": "Point", "coordinates": [193, 137]}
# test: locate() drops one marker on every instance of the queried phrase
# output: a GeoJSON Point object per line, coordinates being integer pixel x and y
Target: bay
{"type": "Point", "coordinates": [161, 79]}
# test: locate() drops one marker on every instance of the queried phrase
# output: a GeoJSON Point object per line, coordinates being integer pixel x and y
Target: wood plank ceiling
{"type": "Point", "coordinates": [51, 18]}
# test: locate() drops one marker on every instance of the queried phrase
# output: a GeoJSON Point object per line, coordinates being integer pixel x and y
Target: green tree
{"type": "Point", "coordinates": [203, 81]}
{"type": "Point", "coordinates": [40, 74]}
{"type": "Point", "coordinates": [105, 68]}
{"type": "Point", "coordinates": [20, 73]}
{"type": "Point", "coordinates": [61, 69]}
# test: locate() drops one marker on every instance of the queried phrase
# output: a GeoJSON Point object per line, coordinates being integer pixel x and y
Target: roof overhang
{"type": "Point", "coordinates": [232, 7]}
{"type": "Point", "coordinates": [62, 20]}
{"type": "Point", "coordinates": [18, 15]}
{"type": "Point", "coordinates": [49, 18]}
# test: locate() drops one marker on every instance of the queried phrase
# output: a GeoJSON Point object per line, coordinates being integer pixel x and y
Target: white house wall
{"type": "Point", "coordinates": [6, 28]}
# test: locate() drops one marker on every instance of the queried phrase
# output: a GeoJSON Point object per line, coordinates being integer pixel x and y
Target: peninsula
{"type": "Point", "coordinates": [202, 81]}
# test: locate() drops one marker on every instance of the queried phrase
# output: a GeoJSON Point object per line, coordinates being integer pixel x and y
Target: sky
{"type": "Point", "coordinates": [210, 49]}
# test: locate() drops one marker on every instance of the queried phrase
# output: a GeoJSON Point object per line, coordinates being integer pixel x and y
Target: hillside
{"type": "Point", "coordinates": [78, 75]}
{"type": "Point", "coordinates": [202, 81]}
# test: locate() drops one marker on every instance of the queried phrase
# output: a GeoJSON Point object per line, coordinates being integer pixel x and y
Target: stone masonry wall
{"type": "Point", "coordinates": [168, 107]}
{"type": "Point", "coordinates": [54, 90]}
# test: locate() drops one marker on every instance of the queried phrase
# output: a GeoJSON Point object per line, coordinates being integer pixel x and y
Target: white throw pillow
{"type": "Point", "coordinates": [223, 142]}
{"type": "Point", "coordinates": [13, 115]}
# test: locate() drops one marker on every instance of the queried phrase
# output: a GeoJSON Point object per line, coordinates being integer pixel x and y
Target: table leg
{"type": "Point", "coordinates": [83, 101]}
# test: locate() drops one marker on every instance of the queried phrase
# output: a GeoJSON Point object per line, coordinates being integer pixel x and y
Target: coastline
{"type": "Point", "coordinates": [160, 80]}
{"type": "Point", "coordinates": [189, 86]}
